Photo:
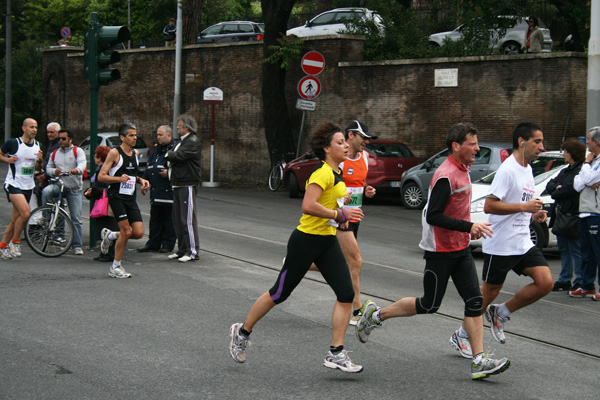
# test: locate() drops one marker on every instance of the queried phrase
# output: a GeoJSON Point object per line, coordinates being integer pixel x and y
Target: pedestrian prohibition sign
{"type": "Point", "coordinates": [309, 87]}
{"type": "Point", "coordinates": [313, 63]}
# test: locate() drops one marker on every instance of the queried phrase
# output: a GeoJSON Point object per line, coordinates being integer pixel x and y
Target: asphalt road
{"type": "Point", "coordinates": [68, 331]}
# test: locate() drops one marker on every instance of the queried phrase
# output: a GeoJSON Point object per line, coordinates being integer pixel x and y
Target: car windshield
{"type": "Point", "coordinates": [542, 168]}
{"type": "Point", "coordinates": [213, 30]}
{"type": "Point", "coordinates": [389, 150]}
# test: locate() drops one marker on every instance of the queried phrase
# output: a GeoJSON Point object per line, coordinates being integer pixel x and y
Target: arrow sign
{"type": "Point", "coordinates": [313, 63]}
{"type": "Point", "coordinates": [309, 87]}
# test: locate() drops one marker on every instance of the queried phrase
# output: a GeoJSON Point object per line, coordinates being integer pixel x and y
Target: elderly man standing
{"type": "Point", "coordinates": [71, 159]}
{"type": "Point", "coordinates": [52, 130]}
{"type": "Point", "coordinates": [185, 174]}
{"type": "Point", "coordinates": [162, 235]}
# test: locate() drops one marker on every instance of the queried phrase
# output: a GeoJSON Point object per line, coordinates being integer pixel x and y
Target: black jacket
{"type": "Point", "coordinates": [566, 197]}
{"type": "Point", "coordinates": [161, 192]}
{"type": "Point", "coordinates": [185, 162]}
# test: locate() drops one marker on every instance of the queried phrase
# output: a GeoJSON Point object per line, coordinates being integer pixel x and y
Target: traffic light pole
{"type": "Point", "coordinates": [92, 71]}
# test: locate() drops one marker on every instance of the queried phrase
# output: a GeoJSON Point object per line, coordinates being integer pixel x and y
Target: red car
{"type": "Point", "coordinates": [387, 162]}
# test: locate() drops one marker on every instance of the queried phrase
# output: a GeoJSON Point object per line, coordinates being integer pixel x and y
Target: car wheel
{"type": "Point", "coordinates": [538, 236]}
{"type": "Point", "coordinates": [294, 189]}
{"type": "Point", "coordinates": [412, 196]}
{"type": "Point", "coordinates": [510, 48]}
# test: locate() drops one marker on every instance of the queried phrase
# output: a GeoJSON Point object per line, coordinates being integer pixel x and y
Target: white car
{"type": "Point", "coordinates": [333, 21]}
{"type": "Point", "coordinates": [511, 42]}
{"type": "Point", "coordinates": [545, 168]}
{"type": "Point", "coordinates": [112, 140]}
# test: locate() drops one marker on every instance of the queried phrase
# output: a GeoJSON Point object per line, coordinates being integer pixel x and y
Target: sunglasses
{"type": "Point", "coordinates": [63, 138]}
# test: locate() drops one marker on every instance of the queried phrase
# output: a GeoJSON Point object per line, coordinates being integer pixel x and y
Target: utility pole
{"type": "Point", "coordinates": [593, 89]}
{"type": "Point", "coordinates": [177, 97]}
{"type": "Point", "coordinates": [8, 82]}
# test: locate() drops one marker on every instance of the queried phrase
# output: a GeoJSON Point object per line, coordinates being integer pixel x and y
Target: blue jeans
{"type": "Point", "coordinates": [589, 238]}
{"type": "Point", "coordinates": [75, 202]}
{"type": "Point", "coordinates": [570, 259]}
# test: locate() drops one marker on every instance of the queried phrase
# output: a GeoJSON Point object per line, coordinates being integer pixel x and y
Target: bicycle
{"type": "Point", "coordinates": [276, 173]}
{"type": "Point", "coordinates": [49, 230]}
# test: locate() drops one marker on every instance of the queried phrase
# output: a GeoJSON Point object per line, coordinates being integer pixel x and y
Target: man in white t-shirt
{"type": "Point", "coordinates": [511, 204]}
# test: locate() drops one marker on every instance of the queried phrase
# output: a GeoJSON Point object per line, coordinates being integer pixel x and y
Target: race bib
{"type": "Point", "coordinates": [29, 170]}
{"type": "Point", "coordinates": [128, 187]}
{"type": "Point", "coordinates": [356, 194]}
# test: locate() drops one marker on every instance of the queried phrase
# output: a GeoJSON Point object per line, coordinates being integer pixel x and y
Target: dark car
{"type": "Point", "coordinates": [415, 183]}
{"type": "Point", "coordinates": [232, 31]}
{"type": "Point", "coordinates": [387, 163]}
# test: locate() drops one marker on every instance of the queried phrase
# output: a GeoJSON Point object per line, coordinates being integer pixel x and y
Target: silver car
{"type": "Point", "coordinates": [415, 181]}
{"type": "Point", "coordinates": [511, 42]}
{"type": "Point", "coordinates": [334, 21]}
{"type": "Point", "coordinates": [112, 140]}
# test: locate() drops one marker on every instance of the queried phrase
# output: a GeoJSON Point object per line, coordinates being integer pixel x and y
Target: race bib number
{"type": "Point", "coordinates": [128, 187]}
{"type": "Point", "coordinates": [356, 194]}
{"type": "Point", "coordinates": [27, 170]}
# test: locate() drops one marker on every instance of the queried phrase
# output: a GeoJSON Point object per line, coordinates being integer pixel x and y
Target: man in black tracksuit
{"type": "Point", "coordinates": [162, 235]}
{"type": "Point", "coordinates": [185, 175]}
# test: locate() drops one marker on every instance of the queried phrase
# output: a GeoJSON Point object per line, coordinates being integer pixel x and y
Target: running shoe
{"type": "Point", "coordinates": [366, 324]}
{"type": "Point", "coordinates": [78, 251]}
{"type": "Point", "coordinates": [488, 367]}
{"type": "Point", "coordinates": [497, 323]}
{"type": "Point", "coordinates": [15, 249]}
{"type": "Point", "coordinates": [106, 242]}
{"type": "Point", "coordinates": [6, 253]}
{"type": "Point", "coordinates": [582, 293]}
{"type": "Point", "coordinates": [355, 318]}
{"type": "Point", "coordinates": [596, 297]}
{"type": "Point", "coordinates": [341, 361]}
{"type": "Point", "coordinates": [119, 273]}
{"type": "Point", "coordinates": [462, 345]}
{"type": "Point", "coordinates": [238, 344]}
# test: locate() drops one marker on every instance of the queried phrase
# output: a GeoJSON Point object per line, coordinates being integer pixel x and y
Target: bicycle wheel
{"type": "Point", "coordinates": [276, 176]}
{"type": "Point", "coordinates": [47, 241]}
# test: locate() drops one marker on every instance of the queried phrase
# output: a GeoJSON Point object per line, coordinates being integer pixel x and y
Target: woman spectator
{"type": "Point", "coordinates": [314, 240]}
{"type": "Point", "coordinates": [534, 37]}
{"type": "Point", "coordinates": [95, 192]}
{"type": "Point", "coordinates": [566, 202]}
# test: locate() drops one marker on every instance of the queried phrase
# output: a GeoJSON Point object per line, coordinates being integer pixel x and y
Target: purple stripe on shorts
{"type": "Point", "coordinates": [280, 288]}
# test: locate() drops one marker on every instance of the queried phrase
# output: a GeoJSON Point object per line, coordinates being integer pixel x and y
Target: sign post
{"type": "Point", "coordinates": [309, 87]}
{"type": "Point", "coordinates": [212, 96]}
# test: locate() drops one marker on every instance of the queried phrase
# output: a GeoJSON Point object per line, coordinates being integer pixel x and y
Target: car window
{"type": "Point", "coordinates": [246, 28]}
{"type": "Point", "coordinates": [213, 30]}
{"type": "Point", "coordinates": [542, 168]}
{"type": "Point", "coordinates": [346, 16]}
{"type": "Point", "coordinates": [261, 27]}
{"type": "Point", "coordinates": [85, 145]}
{"type": "Point", "coordinates": [389, 150]}
{"type": "Point", "coordinates": [113, 141]}
{"type": "Point", "coordinates": [140, 144]}
{"type": "Point", "coordinates": [440, 158]}
{"type": "Point", "coordinates": [323, 19]}
{"type": "Point", "coordinates": [229, 28]}
{"type": "Point", "coordinates": [483, 156]}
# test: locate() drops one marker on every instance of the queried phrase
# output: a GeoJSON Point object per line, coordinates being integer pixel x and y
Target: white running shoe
{"type": "Point", "coordinates": [341, 361]}
{"type": "Point", "coordinates": [366, 324]}
{"type": "Point", "coordinates": [355, 318]}
{"type": "Point", "coordinates": [238, 344]}
{"type": "Point", "coordinates": [462, 345]}
{"type": "Point", "coordinates": [488, 367]}
{"type": "Point", "coordinates": [497, 323]}
{"type": "Point", "coordinates": [119, 273]}
{"type": "Point", "coordinates": [106, 242]}
{"type": "Point", "coordinates": [6, 253]}
{"type": "Point", "coordinates": [15, 249]}
{"type": "Point", "coordinates": [173, 256]}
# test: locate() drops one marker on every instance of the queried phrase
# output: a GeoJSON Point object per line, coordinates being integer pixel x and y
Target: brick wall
{"type": "Point", "coordinates": [397, 99]}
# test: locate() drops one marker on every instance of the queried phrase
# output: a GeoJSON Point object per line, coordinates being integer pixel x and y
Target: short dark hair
{"type": "Point", "coordinates": [576, 149]}
{"type": "Point", "coordinates": [69, 133]}
{"type": "Point", "coordinates": [458, 133]}
{"type": "Point", "coordinates": [322, 136]}
{"type": "Point", "coordinates": [126, 127]}
{"type": "Point", "coordinates": [524, 130]}
{"type": "Point", "coordinates": [535, 21]}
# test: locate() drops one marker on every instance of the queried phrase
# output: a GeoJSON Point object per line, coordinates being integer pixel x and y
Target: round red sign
{"type": "Point", "coordinates": [313, 63]}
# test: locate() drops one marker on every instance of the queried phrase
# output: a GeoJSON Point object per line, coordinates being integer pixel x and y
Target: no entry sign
{"type": "Point", "coordinates": [313, 63]}
{"type": "Point", "coordinates": [309, 87]}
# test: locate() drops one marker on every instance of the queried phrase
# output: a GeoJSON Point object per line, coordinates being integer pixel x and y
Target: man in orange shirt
{"type": "Point", "coordinates": [355, 170]}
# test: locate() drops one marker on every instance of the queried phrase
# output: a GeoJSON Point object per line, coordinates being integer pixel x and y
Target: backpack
{"type": "Point", "coordinates": [85, 171]}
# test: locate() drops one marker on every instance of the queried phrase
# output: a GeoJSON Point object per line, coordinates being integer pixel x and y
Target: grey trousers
{"type": "Point", "coordinates": [185, 222]}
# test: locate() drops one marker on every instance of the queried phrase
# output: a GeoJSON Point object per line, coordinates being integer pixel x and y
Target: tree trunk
{"type": "Point", "coordinates": [192, 12]}
{"type": "Point", "coordinates": [278, 129]}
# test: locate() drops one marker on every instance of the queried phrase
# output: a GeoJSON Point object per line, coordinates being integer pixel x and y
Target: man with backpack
{"type": "Point", "coordinates": [71, 159]}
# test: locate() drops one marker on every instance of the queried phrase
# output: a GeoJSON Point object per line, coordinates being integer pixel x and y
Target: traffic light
{"type": "Point", "coordinates": [100, 51]}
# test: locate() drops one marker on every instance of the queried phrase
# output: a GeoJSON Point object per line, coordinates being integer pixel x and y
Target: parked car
{"type": "Point", "coordinates": [545, 167]}
{"type": "Point", "coordinates": [511, 42]}
{"type": "Point", "coordinates": [415, 182]}
{"type": "Point", "coordinates": [333, 21]}
{"type": "Point", "coordinates": [232, 31]}
{"type": "Point", "coordinates": [387, 162]}
{"type": "Point", "coordinates": [112, 140]}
